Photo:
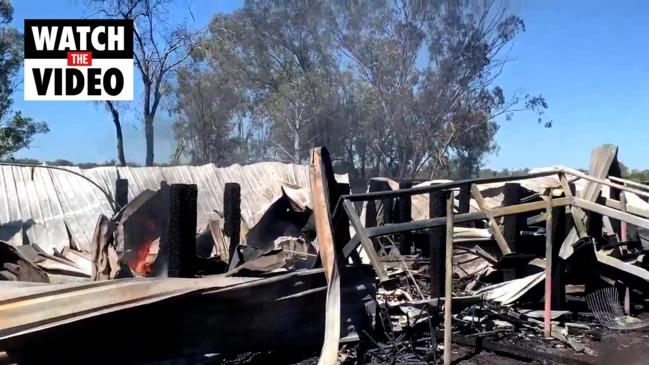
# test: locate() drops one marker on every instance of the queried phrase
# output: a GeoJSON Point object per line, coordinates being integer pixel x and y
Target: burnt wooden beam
{"type": "Point", "coordinates": [181, 230]}
{"type": "Point", "coordinates": [366, 241]}
{"type": "Point", "coordinates": [451, 185]}
{"type": "Point", "coordinates": [322, 187]}
{"type": "Point", "coordinates": [547, 307]}
{"type": "Point", "coordinates": [464, 203]}
{"type": "Point", "coordinates": [578, 215]}
{"type": "Point", "coordinates": [121, 193]}
{"type": "Point", "coordinates": [615, 193]}
{"type": "Point", "coordinates": [512, 225]}
{"type": "Point", "coordinates": [340, 225]}
{"type": "Point", "coordinates": [595, 223]}
{"type": "Point", "coordinates": [405, 215]}
{"type": "Point", "coordinates": [624, 236]}
{"type": "Point", "coordinates": [495, 228]}
{"type": "Point", "coordinates": [388, 207]}
{"type": "Point", "coordinates": [603, 181]}
{"type": "Point", "coordinates": [448, 278]}
{"type": "Point", "coordinates": [616, 214]}
{"type": "Point", "coordinates": [437, 250]}
{"type": "Point", "coordinates": [601, 160]}
{"type": "Point", "coordinates": [232, 216]}
{"type": "Point", "coordinates": [371, 210]}
{"type": "Point", "coordinates": [427, 224]}
{"type": "Point", "coordinates": [323, 182]}
{"type": "Point", "coordinates": [559, 233]}
{"type": "Point", "coordinates": [625, 182]}
{"type": "Point", "coordinates": [616, 204]}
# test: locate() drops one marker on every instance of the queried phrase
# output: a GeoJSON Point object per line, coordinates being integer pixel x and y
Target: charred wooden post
{"type": "Point", "coordinates": [595, 223]}
{"type": "Point", "coordinates": [512, 223]}
{"type": "Point", "coordinates": [547, 324]}
{"type": "Point", "coordinates": [321, 186]}
{"type": "Point", "coordinates": [121, 193]}
{"type": "Point", "coordinates": [559, 233]}
{"type": "Point", "coordinates": [386, 203]}
{"type": "Point", "coordinates": [624, 233]}
{"type": "Point", "coordinates": [341, 224]}
{"type": "Point", "coordinates": [371, 210]}
{"type": "Point", "coordinates": [436, 208]}
{"type": "Point", "coordinates": [464, 203]}
{"type": "Point", "coordinates": [373, 215]}
{"type": "Point", "coordinates": [181, 230]}
{"type": "Point", "coordinates": [614, 193]}
{"type": "Point", "coordinates": [162, 221]}
{"type": "Point", "coordinates": [232, 216]}
{"type": "Point", "coordinates": [448, 278]}
{"type": "Point", "coordinates": [405, 215]}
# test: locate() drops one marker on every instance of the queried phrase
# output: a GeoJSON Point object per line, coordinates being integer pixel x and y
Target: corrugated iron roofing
{"type": "Point", "coordinates": [52, 207]}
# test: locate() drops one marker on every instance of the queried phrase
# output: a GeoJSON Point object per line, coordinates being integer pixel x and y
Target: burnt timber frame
{"type": "Point", "coordinates": [342, 210]}
{"type": "Point", "coordinates": [364, 235]}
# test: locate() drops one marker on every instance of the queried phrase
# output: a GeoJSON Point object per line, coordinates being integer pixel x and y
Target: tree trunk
{"type": "Point", "coordinates": [118, 133]}
{"type": "Point", "coordinates": [148, 134]}
{"type": "Point", "coordinates": [296, 147]}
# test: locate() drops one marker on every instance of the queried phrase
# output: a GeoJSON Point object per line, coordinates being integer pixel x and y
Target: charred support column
{"type": "Point", "coordinates": [512, 223]}
{"type": "Point", "coordinates": [559, 233]}
{"type": "Point", "coordinates": [388, 210]}
{"type": "Point", "coordinates": [405, 215]}
{"type": "Point", "coordinates": [614, 193]}
{"type": "Point", "coordinates": [595, 224]}
{"type": "Point", "coordinates": [121, 192]}
{"type": "Point", "coordinates": [448, 278]}
{"type": "Point", "coordinates": [547, 307]}
{"type": "Point", "coordinates": [437, 208]}
{"type": "Point", "coordinates": [371, 210]}
{"type": "Point", "coordinates": [464, 203]}
{"type": "Point", "coordinates": [341, 225]}
{"type": "Point", "coordinates": [181, 230]}
{"type": "Point", "coordinates": [232, 216]}
{"type": "Point", "coordinates": [161, 262]}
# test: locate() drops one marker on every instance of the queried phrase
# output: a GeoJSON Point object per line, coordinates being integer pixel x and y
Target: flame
{"type": "Point", "coordinates": [146, 251]}
{"type": "Point", "coordinates": [139, 263]}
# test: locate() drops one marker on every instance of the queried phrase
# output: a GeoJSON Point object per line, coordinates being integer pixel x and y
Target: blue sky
{"type": "Point", "coordinates": [588, 58]}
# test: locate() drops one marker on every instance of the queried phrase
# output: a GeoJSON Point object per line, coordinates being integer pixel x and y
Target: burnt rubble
{"type": "Point", "coordinates": [547, 267]}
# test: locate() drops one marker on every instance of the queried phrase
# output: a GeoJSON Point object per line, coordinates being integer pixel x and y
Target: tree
{"type": "Point", "coordinates": [278, 58]}
{"type": "Point", "coordinates": [159, 49]}
{"type": "Point", "coordinates": [425, 106]}
{"type": "Point", "coordinates": [206, 108]}
{"type": "Point", "coordinates": [401, 88]}
{"type": "Point", "coordinates": [16, 130]}
{"type": "Point", "coordinates": [291, 109]}
{"type": "Point", "coordinates": [115, 108]}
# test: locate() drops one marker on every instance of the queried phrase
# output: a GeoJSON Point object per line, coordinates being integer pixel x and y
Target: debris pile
{"type": "Point", "coordinates": [551, 266]}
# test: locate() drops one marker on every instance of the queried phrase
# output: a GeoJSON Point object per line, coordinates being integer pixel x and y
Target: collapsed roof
{"type": "Point", "coordinates": [55, 208]}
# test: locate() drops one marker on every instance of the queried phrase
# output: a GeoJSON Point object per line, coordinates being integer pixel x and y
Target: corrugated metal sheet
{"type": "Point", "coordinates": [53, 207]}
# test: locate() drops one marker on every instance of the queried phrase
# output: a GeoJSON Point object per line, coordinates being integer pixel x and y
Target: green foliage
{"type": "Point", "coordinates": [23, 161]}
{"type": "Point", "coordinates": [501, 173]}
{"type": "Point", "coordinates": [17, 133]}
{"type": "Point", "coordinates": [16, 130]}
{"type": "Point", "coordinates": [641, 176]}
{"type": "Point", "coordinates": [61, 162]}
{"type": "Point", "coordinates": [403, 89]}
